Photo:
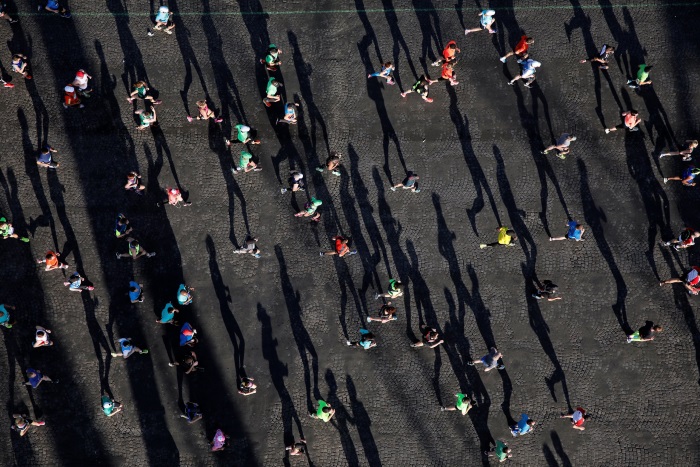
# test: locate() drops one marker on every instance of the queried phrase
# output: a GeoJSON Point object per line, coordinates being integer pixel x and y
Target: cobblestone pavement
{"type": "Point", "coordinates": [286, 316]}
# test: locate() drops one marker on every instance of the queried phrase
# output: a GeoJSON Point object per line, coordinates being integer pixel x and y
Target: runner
{"type": "Point", "coordinates": [220, 441]}
{"type": "Point", "coordinates": [408, 183]}
{"type": "Point", "coordinates": [44, 159]}
{"type": "Point", "coordinates": [8, 231]}
{"type": "Point", "coordinates": [448, 74]}
{"type": "Point", "coordinates": [121, 226]}
{"type": "Point", "coordinates": [686, 239]}
{"type": "Point", "coordinates": [395, 290]}
{"type": "Point", "coordinates": [22, 422]}
{"type": "Point", "coordinates": [297, 449]}
{"type": "Point", "coordinates": [192, 412]}
{"type": "Point", "coordinates": [146, 118]}
{"type": "Point", "coordinates": [6, 16]}
{"type": "Point", "coordinates": [250, 247]}
{"type": "Point", "coordinates": [578, 418]}
{"type": "Point", "coordinates": [366, 340]}
{"type": "Point", "coordinates": [311, 210]}
{"type": "Point", "coordinates": [449, 54]}
{"type": "Point", "coordinates": [205, 113]}
{"type": "Point", "coordinates": [141, 90]}
{"type": "Point", "coordinates": [523, 427]}
{"type": "Point", "coordinates": [290, 114]}
{"type": "Point", "coordinates": [41, 337]}
{"type": "Point", "coordinates": [245, 135]}
{"type": "Point", "coordinates": [52, 262]}
{"type": "Point", "coordinates": [642, 75]}
{"type": "Point", "coordinates": [521, 49]}
{"type": "Point", "coordinates": [332, 164]}
{"type": "Point", "coordinates": [548, 290]}
{"type": "Point", "coordinates": [646, 333]}
{"type": "Point", "coordinates": [135, 251]}
{"type": "Point", "coordinates": [81, 83]}
{"type": "Point", "coordinates": [506, 237]}
{"type": "Point", "coordinates": [462, 404]}
{"type": "Point", "coordinates": [133, 183]}
{"type": "Point", "coordinates": [70, 98]}
{"type": "Point", "coordinates": [686, 153]}
{"type": "Point", "coordinates": [272, 59]}
{"type": "Point", "coordinates": [602, 57]}
{"type": "Point", "coordinates": [246, 164]}
{"type": "Point", "coordinates": [188, 335]}
{"type": "Point", "coordinates": [486, 22]}
{"type": "Point", "coordinates": [20, 65]}
{"type": "Point", "coordinates": [36, 377]}
{"type": "Point", "coordinates": [490, 360]}
{"type": "Point", "coordinates": [271, 92]}
{"type": "Point", "coordinates": [691, 282]}
{"type": "Point", "coordinates": [110, 407]}
{"type": "Point", "coordinates": [422, 88]}
{"type": "Point", "coordinates": [431, 339]}
{"type": "Point", "coordinates": [296, 182]}
{"type": "Point", "coordinates": [135, 292]}
{"type": "Point", "coordinates": [75, 283]}
{"type": "Point", "coordinates": [246, 387]}
{"type": "Point", "coordinates": [325, 412]}
{"type": "Point", "coordinates": [175, 198]}
{"type": "Point", "coordinates": [631, 120]}
{"type": "Point", "coordinates": [687, 178]}
{"type": "Point", "coordinates": [184, 295]}
{"type": "Point", "coordinates": [167, 315]}
{"type": "Point", "coordinates": [562, 146]}
{"type": "Point", "coordinates": [575, 232]}
{"type": "Point", "coordinates": [127, 349]}
{"type": "Point", "coordinates": [5, 319]}
{"type": "Point", "coordinates": [341, 248]}
{"type": "Point", "coordinates": [188, 362]}
{"type": "Point", "coordinates": [386, 73]}
{"type": "Point", "coordinates": [528, 68]}
{"type": "Point", "coordinates": [54, 6]}
{"type": "Point", "coordinates": [163, 21]}
{"type": "Point", "coordinates": [501, 451]}
{"type": "Point", "coordinates": [387, 313]}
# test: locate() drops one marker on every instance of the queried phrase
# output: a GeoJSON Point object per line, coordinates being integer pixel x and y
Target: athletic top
{"type": "Point", "coordinates": [522, 46]}
{"type": "Point", "coordinates": [53, 4]}
{"type": "Point", "coordinates": [81, 80]}
{"type": "Point", "coordinates": [167, 314]}
{"type": "Point", "coordinates": [573, 233]}
{"type": "Point", "coordinates": [630, 120]}
{"type": "Point", "coordinates": [642, 74]}
{"type": "Point", "coordinates": [500, 454]}
{"type": "Point", "coordinates": [186, 334]}
{"type": "Point", "coordinates": [271, 88]}
{"type": "Point", "coordinates": [447, 72]}
{"type": "Point", "coordinates": [326, 417]}
{"type": "Point", "coordinates": [219, 440]}
{"type": "Point", "coordinates": [578, 417]}
{"type": "Point", "coordinates": [503, 237]}
{"type": "Point", "coordinates": [245, 158]}
{"type": "Point", "coordinates": [693, 277]}
{"type": "Point", "coordinates": [182, 299]}
{"type": "Point", "coordinates": [134, 295]}
{"type": "Point", "coordinates": [289, 109]}
{"type": "Point", "coordinates": [604, 54]}
{"type": "Point", "coordinates": [140, 91]}
{"type": "Point", "coordinates": [689, 174]}
{"type": "Point", "coordinates": [449, 53]}
{"type": "Point", "coordinates": [242, 131]}
{"type": "Point", "coordinates": [44, 157]}
{"type": "Point", "coordinates": [107, 405]}
{"type": "Point", "coordinates": [271, 56]}
{"type": "Point", "coordinates": [75, 281]}
{"type": "Point", "coordinates": [462, 406]}
{"type": "Point", "coordinates": [487, 17]}
{"type": "Point", "coordinates": [564, 140]}
{"type": "Point", "coordinates": [409, 181]}
{"type": "Point", "coordinates": [689, 239]}
{"type": "Point", "coordinates": [339, 245]}
{"type": "Point", "coordinates": [523, 427]}
{"type": "Point", "coordinates": [53, 262]}
{"type": "Point", "coordinates": [163, 14]}
{"type": "Point", "coordinates": [4, 314]}
{"type": "Point", "coordinates": [126, 346]}
{"type": "Point", "coordinates": [529, 67]}
{"type": "Point", "coordinates": [36, 379]}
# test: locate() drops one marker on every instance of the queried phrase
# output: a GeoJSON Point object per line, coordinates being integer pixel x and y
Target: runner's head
{"type": "Point", "coordinates": [511, 233]}
{"type": "Point", "coordinates": [387, 64]}
{"type": "Point", "coordinates": [657, 328]}
{"type": "Point", "coordinates": [529, 41]}
{"type": "Point", "coordinates": [50, 256]}
{"type": "Point", "coordinates": [326, 409]}
{"type": "Point", "coordinates": [453, 46]}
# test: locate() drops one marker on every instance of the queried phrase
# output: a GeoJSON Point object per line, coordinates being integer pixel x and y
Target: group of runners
{"type": "Point", "coordinates": [129, 247]}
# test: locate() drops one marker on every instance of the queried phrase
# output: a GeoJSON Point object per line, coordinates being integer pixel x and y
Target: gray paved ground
{"type": "Point", "coordinates": [286, 316]}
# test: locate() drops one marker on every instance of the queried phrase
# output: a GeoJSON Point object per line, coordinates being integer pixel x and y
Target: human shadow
{"type": "Point", "coordinates": [341, 420]}
{"type": "Point", "coordinates": [429, 23]}
{"type": "Point", "coordinates": [223, 295]}
{"type": "Point", "coordinates": [278, 372]}
{"type": "Point", "coordinates": [301, 336]}
{"type": "Point", "coordinates": [481, 185]}
{"type": "Point", "coordinates": [363, 423]}
{"type": "Point", "coordinates": [594, 217]}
